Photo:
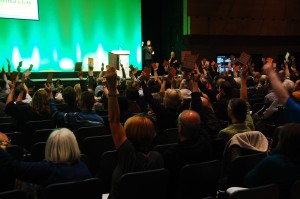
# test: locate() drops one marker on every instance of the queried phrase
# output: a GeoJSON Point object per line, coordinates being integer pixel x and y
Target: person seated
{"type": "Point", "coordinates": [282, 167]}
{"type": "Point", "coordinates": [3, 91]}
{"type": "Point", "coordinates": [239, 113]}
{"type": "Point", "coordinates": [296, 93]}
{"type": "Point", "coordinates": [4, 87]}
{"type": "Point", "coordinates": [167, 112]}
{"type": "Point", "coordinates": [292, 108]}
{"type": "Point", "coordinates": [269, 113]}
{"type": "Point", "coordinates": [271, 96]}
{"type": "Point", "coordinates": [200, 103]}
{"type": "Point", "coordinates": [193, 146]}
{"type": "Point", "coordinates": [38, 109]}
{"type": "Point", "coordinates": [75, 120]}
{"type": "Point", "coordinates": [222, 99]}
{"type": "Point", "coordinates": [58, 84]}
{"type": "Point", "coordinates": [62, 162]}
{"type": "Point", "coordinates": [133, 141]}
{"type": "Point", "coordinates": [31, 86]}
{"type": "Point", "coordinates": [69, 98]}
{"type": "Point", "coordinates": [99, 87]}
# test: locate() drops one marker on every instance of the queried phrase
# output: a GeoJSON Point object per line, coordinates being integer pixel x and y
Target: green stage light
{"type": "Point", "coordinates": [70, 31]}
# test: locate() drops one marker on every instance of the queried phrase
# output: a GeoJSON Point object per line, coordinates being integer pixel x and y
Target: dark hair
{"type": "Point", "coordinates": [250, 81]}
{"type": "Point", "coordinates": [226, 87]}
{"type": "Point", "coordinates": [132, 93]}
{"type": "Point", "coordinates": [69, 96]}
{"type": "Point", "coordinates": [238, 108]}
{"type": "Point", "coordinates": [18, 89]}
{"type": "Point", "coordinates": [88, 99]}
{"type": "Point", "coordinates": [153, 86]}
{"type": "Point", "coordinates": [58, 81]}
{"type": "Point", "coordinates": [2, 83]}
{"type": "Point", "coordinates": [29, 83]}
{"type": "Point", "coordinates": [289, 139]}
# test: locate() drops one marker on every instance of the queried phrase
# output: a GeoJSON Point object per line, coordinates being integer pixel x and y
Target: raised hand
{"type": "Point", "coordinates": [244, 71]}
{"type": "Point", "coordinates": [268, 67]}
{"type": "Point", "coordinates": [11, 84]}
{"type": "Point", "coordinates": [48, 87]}
{"type": "Point", "coordinates": [111, 79]}
{"type": "Point", "coordinates": [142, 76]}
{"type": "Point", "coordinates": [3, 71]}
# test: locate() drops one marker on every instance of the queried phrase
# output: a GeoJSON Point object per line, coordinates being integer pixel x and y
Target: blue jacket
{"type": "Point", "coordinates": [43, 173]}
{"type": "Point", "coordinates": [75, 119]}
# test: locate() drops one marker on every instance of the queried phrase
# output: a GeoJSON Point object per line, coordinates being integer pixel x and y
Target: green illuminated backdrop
{"type": "Point", "coordinates": [70, 31]}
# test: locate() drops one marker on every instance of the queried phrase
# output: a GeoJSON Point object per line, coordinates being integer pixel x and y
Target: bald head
{"type": "Point", "coordinates": [188, 124]}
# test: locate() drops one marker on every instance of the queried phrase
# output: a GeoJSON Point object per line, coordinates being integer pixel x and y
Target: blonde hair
{"type": "Point", "coordinates": [140, 131]}
{"type": "Point", "coordinates": [78, 91]}
{"type": "Point", "coordinates": [172, 98]}
{"type": "Point", "coordinates": [62, 147]}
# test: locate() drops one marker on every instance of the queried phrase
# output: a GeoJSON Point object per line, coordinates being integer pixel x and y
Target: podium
{"type": "Point", "coordinates": [123, 58]}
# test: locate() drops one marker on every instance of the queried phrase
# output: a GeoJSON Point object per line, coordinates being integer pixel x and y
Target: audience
{"type": "Point", "coordinates": [292, 109]}
{"type": "Point", "coordinates": [193, 147]}
{"type": "Point", "coordinates": [85, 117]}
{"type": "Point", "coordinates": [239, 113]}
{"type": "Point", "coordinates": [296, 93]}
{"type": "Point", "coordinates": [195, 103]}
{"type": "Point", "coordinates": [282, 167]}
{"type": "Point", "coordinates": [133, 141]}
{"type": "Point", "coordinates": [38, 109]}
{"type": "Point", "coordinates": [69, 98]}
{"type": "Point", "coordinates": [167, 112]}
{"type": "Point", "coordinates": [62, 162]}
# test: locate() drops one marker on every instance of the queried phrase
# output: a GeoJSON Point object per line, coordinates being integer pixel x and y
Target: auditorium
{"type": "Point", "coordinates": [142, 99]}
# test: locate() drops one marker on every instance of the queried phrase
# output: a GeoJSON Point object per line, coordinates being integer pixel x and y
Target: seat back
{"type": "Point", "coordinates": [144, 184]}
{"type": "Point", "coordinates": [90, 188]}
{"type": "Point", "coordinates": [7, 127]}
{"type": "Point", "coordinates": [262, 192]}
{"type": "Point", "coordinates": [7, 119]}
{"type": "Point", "coordinates": [41, 135]}
{"type": "Point", "coordinates": [106, 167]}
{"type": "Point", "coordinates": [15, 151]}
{"type": "Point", "coordinates": [90, 131]}
{"type": "Point", "coordinates": [94, 147]}
{"type": "Point", "coordinates": [218, 145]}
{"type": "Point", "coordinates": [31, 126]}
{"type": "Point", "coordinates": [163, 147]}
{"type": "Point", "coordinates": [37, 152]}
{"type": "Point", "coordinates": [168, 136]}
{"type": "Point", "coordinates": [7, 182]}
{"type": "Point", "coordinates": [13, 194]}
{"type": "Point", "coordinates": [295, 190]}
{"type": "Point", "coordinates": [106, 123]}
{"type": "Point", "coordinates": [241, 144]}
{"type": "Point", "coordinates": [199, 180]}
{"type": "Point", "coordinates": [241, 166]}
{"type": "Point", "coordinates": [16, 138]}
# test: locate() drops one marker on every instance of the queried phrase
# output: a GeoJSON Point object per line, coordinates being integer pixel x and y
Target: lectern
{"type": "Point", "coordinates": [122, 58]}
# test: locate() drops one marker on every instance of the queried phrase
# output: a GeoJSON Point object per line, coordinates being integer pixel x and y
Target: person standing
{"type": "Point", "coordinates": [148, 53]}
{"type": "Point", "coordinates": [173, 61]}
